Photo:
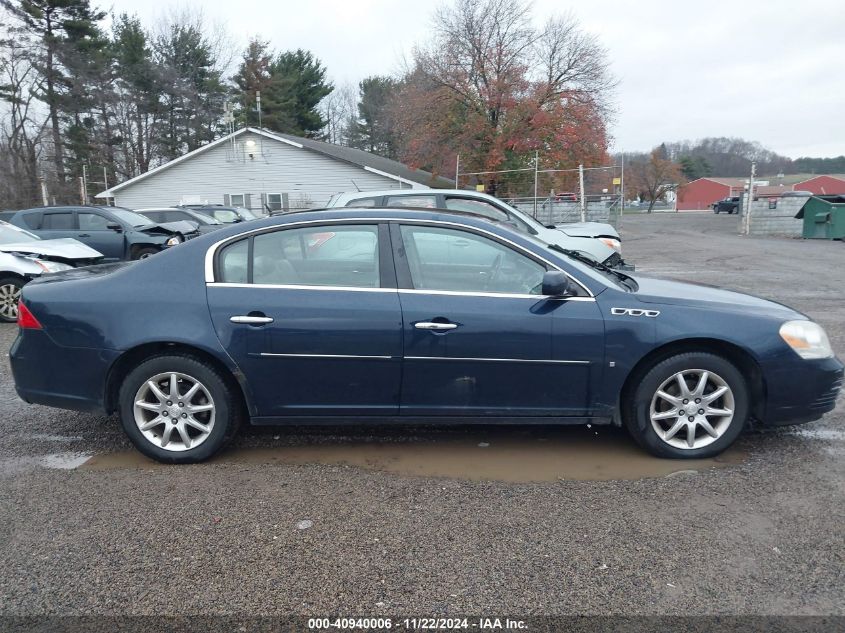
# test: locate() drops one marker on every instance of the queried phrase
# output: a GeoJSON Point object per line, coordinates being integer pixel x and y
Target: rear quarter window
{"type": "Point", "coordinates": [363, 202]}
{"type": "Point", "coordinates": [32, 220]}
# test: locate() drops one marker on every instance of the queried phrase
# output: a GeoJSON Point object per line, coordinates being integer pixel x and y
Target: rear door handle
{"type": "Point", "coordinates": [251, 320]}
{"type": "Point", "coordinates": [83, 235]}
{"type": "Point", "coordinates": [431, 325]}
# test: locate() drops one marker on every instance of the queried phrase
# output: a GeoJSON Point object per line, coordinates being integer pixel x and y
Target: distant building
{"type": "Point", "coordinates": [832, 184]}
{"type": "Point", "coordinates": [700, 194]}
{"type": "Point", "coordinates": [262, 170]}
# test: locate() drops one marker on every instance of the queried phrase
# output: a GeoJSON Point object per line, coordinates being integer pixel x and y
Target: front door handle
{"type": "Point", "coordinates": [84, 235]}
{"type": "Point", "coordinates": [431, 325]}
{"type": "Point", "coordinates": [251, 320]}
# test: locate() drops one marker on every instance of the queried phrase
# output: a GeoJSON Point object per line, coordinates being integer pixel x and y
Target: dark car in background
{"type": "Point", "coordinates": [726, 205]}
{"type": "Point", "coordinates": [206, 223]}
{"type": "Point", "coordinates": [119, 234]}
{"type": "Point", "coordinates": [222, 213]}
{"type": "Point", "coordinates": [407, 316]}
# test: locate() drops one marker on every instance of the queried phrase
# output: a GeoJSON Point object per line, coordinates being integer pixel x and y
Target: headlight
{"type": "Point", "coordinates": [51, 267]}
{"type": "Point", "coordinates": [173, 241]}
{"type": "Point", "coordinates": [612, 243]}
{"type": "Point", "coordinates": [808, 339]}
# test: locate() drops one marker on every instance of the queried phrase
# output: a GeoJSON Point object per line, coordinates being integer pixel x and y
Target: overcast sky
{"type": "Point", "coordinates": [764, 70]}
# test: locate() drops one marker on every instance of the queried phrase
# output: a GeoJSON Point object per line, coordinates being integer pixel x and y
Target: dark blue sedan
{"type": "Point", "coordinates": [400, 316]}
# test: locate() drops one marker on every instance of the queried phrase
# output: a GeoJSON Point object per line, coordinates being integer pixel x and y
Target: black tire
{"type": "Point", "coordinates": [227, 408]}
{"type": "Point", "coordinates": [10, 291]}
{"type": "Point", "coordinates": [144, 252]}
{"type": "Point", "coordinates": [636, 408]}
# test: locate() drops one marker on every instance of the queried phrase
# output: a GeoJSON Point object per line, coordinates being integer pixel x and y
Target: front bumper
{"type": "Point", "coordinates": [802, 391]}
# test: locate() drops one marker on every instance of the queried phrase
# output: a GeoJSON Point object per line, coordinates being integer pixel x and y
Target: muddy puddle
{"type": "Point", "coordinates": [502, 455]}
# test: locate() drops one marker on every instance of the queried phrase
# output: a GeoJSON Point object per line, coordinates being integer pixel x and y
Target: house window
{"type": "Point", "coordinates": [237, 200]}
{"type": "Point", "coordinates": [274, 201]}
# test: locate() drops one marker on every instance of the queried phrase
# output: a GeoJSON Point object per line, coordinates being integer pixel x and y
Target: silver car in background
{"type": "Point", "coordinates": [24, 256]}
{"type": "Point", "coordinates": [596, 240]}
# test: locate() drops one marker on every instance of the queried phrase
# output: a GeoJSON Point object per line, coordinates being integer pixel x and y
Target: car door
{"type": "Point", "coordinates": [311, 315]}
{"type": "Point", "coordinates": [479, 338]}
{"type": "Point", "coordinates": [94, 231]}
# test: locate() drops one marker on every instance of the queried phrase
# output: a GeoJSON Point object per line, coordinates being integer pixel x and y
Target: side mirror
{"type": "Point", "coordinates": [115, 227]}
{"type": "Point", "coordinates": [555, 284]}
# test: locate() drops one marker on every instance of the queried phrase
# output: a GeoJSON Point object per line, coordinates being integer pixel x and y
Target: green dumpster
{"type": "Point", "coordinates": [824, 217]}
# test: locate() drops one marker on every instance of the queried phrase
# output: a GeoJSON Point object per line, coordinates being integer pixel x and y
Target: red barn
{"type": "Point", "coordinates": [700, 194]}
{"type": "Point", "coordinates": [832, 184]}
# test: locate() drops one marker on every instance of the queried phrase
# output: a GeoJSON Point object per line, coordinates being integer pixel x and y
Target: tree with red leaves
{"type": "Point", "coordinates": [495, 89]}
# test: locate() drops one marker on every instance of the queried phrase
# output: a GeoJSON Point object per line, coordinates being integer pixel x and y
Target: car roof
{"type": "Point", "coordinates": [356, 195]}
{"type": "Point", "coordinates": [394, 213]}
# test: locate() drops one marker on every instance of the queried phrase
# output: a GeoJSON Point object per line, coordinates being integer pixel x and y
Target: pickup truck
{"type": "Point", "coordinates": [726, 205]}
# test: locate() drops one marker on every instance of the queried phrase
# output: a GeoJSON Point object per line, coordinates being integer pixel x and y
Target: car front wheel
{"type": "Point", "coordinates": [178, 409]}
{"type": "Point", "coordinates": [688, 406]}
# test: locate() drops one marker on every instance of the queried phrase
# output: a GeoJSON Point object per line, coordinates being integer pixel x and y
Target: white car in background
{"type": "Point", "coordinates": [596, 240]}
{"type": "Point", "coordinates": [24, 256]}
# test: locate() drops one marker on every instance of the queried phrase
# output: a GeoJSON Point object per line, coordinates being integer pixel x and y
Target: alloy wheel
{"type": "Point", "coordinates": [10, 294]}
{"type": "Point", "coordinates": [174, 411]}
{"type": "Point", "coordinates": [692, 409]}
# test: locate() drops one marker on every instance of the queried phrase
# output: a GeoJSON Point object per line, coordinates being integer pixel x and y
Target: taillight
{"type": "Point", "coordinates": [26, 320]}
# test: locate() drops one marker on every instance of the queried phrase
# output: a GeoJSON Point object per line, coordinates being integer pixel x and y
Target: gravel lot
{"type": "Point", "coordinates": [421, 522]}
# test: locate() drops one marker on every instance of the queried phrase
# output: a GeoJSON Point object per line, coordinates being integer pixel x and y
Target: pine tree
{"type": "Point", "coordinates": [372, 131]}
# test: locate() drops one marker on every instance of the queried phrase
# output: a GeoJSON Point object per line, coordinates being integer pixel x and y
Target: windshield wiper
{"type": "Point", "coordinates": [627, 281]}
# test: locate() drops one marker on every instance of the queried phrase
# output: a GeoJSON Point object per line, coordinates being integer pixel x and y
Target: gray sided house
{"type": "Point", "coordinates": [263, 170]}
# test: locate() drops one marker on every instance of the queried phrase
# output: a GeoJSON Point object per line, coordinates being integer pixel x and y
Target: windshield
{"type": "Point", "coordinates": [135, 219]}
{"type": "Point", "coordinates": [246, 214]}
{"type": "Point", "coordinates": [10, 234]}
{"type": "Point", "coordinates": [534, 225]}
{"type": "Point", "coordinates": [204, 219]}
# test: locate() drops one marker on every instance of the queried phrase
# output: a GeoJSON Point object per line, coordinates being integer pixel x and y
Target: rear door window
{"type": "Point", "coordinates": [61, 221]}
{"type": "Point", "coordinates": [333, 255]}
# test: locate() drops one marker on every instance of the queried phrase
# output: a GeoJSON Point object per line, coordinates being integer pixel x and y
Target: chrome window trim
{"type": "Point", "coordinates": [499, 295]}
{"type": "Point", "coordinates": [226, 284]}
{"type": "Point", "coordinates": [492, 295]}
{"type": "Point", "coordinates": [212, 250]}
{"type": "Point", "coordinates": [502, 360]}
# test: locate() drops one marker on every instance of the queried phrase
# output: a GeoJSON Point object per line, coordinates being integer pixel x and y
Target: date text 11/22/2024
{"type": "Point", "coordinates": [416, 624]}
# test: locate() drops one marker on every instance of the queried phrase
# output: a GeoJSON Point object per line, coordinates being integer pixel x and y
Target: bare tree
{"type": "Point", "coordinates": [339, 109]}
{"type": "Point", "coordinates": [653, 176]}
{"type": "Point", "coordinates": [23, 127]}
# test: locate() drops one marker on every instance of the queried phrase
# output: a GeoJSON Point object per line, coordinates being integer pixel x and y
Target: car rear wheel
{"type": "Point", "coordinates": [178, 409]}
{"type": "Point", "coordinates": [688, 406]}
{"type": "Point", "coordinates": [10, 294]}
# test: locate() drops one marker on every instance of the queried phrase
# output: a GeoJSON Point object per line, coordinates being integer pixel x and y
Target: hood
{"type": "Point", "coordinates": [66, 248]}
{"type": "Point", "coordinates": [668, 292]}
{"type": "Point", "coordinates": [181, 227]}
{"type": "Point", "coordinates": [587, 229]}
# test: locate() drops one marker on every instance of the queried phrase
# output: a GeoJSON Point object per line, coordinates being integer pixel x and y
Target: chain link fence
{"type": "Point", "coordinates": [555, 196]}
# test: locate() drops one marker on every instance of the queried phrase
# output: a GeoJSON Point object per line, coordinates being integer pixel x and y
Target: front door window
{"type": "Point", "coordinates": [449, 259]}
